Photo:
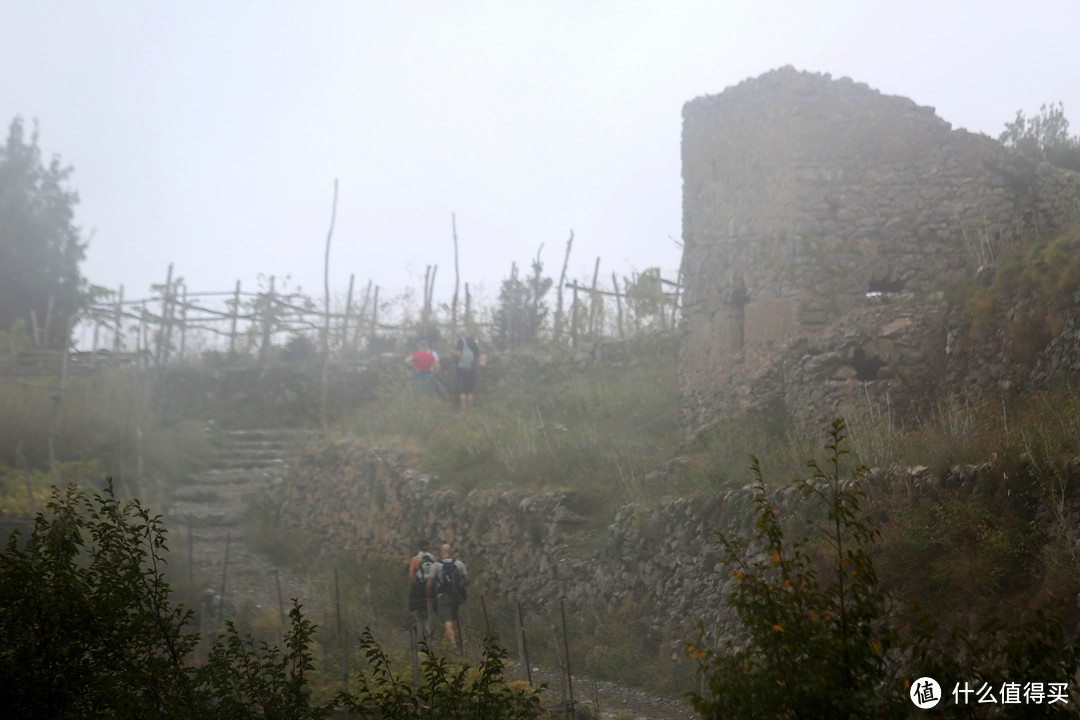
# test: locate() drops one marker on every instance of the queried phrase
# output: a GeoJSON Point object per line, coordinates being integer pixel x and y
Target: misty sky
{"type": "Point", "coordinates": [209, 134]}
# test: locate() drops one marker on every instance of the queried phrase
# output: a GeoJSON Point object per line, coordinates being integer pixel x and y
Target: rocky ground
{"type": "Point", "coordinates": [206, 521]}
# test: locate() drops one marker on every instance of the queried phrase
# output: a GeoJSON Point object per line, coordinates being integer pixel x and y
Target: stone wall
{"type": "Point", "coordinates": [660, 562]}
{"type": "Point", "coordinates": [658, 566]}
{"type": "Point", "coordinates": [822, 221]}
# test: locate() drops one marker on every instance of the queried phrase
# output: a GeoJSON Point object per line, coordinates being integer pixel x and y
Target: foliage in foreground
{"type": "Point", "coordinates": [88, 629]}
{"type": "Point", "coordinates": [831, 644]}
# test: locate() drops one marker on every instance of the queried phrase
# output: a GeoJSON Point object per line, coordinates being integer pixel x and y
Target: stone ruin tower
{"type": "Point", "coordinates": [822, 221]}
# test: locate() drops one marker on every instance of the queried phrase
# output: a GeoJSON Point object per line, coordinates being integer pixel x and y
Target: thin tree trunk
{"type": "Point", "coordinates": [348, 309]}
{"type": "Point", "coordinates": [166, 327]}
{"type": "Point", "coordinates": [592, 296]}
{"type": "Point", "coordinates": [235, 316]}
{"type": "Point", "coordinates": [618, 303]}
{"type": "Point", "coordinates": [457, 276]}
{"type": "Point", "coordinates": [117, 337]}
{"type": "Point", "coordinates": [326, 324]}
{"type": "Point", "coordinates": [560, 319]}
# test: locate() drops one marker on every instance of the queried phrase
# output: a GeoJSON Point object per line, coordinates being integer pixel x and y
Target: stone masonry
{"type": "Point", "coordinates": [822, 221]}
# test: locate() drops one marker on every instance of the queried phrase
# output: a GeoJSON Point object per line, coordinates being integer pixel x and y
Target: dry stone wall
{"type": "Point", "coordinates": [659, 565]}
{"type": "Point", "coordinates": [822, 221]}
{"type": "Point", "coordinates": [656, 569]}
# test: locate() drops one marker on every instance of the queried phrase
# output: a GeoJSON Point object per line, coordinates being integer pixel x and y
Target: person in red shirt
{"type": "Point", "coordinates": [424, 367]}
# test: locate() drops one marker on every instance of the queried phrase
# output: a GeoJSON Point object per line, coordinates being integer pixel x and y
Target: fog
{"type": "Point", "coordinates": [210, 134]}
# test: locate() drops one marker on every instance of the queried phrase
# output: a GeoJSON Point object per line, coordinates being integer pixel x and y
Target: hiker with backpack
{"type": "Point", "coordinates": [467, 353]}
{"type": "Point", "coordinates": [421, 572]}
{"type": "Point", "coordinates": [448, 586]}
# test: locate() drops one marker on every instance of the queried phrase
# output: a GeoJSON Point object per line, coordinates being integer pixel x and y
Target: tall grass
{"type": "Point", "coordinates": [598, 429]}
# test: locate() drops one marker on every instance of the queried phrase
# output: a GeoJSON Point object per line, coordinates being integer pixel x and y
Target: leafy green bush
{"type": "Point", "coordinates": [816, 645]}
{"type": "Point", "coordinates": [88, 628]}
{"type": "Point", "coordinates": [834, 643]}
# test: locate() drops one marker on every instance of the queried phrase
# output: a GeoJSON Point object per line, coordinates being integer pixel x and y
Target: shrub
{"type": "Point", "coordinates": [816, 645]}
{"type": "Point", "coordinates": [88, 629]}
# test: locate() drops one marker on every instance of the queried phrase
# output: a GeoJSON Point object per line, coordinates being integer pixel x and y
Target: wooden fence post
{"type": "Point", "coordinates": [560, 319]}
{"type": "Point", "coordinates": [183, 323]}
{"type": "Point", "coordinates": [573, 317]}
{"type": "Point", "coordinates": [566, 649]}
{"type": "Point", "coordinates": [375, 314]}
{"type": "Point", "coordinates": [348, 309]}
{"type": "Point", "coordinates": [267, 320]}
{"type": "Point", "coordinates": [162, 353]}
{"type": "Point", "coordinates": [233, 319]}
{"type": "Point", "coordinates": [224, 575]}
{"type": "Point", "coordinates": [457, 276]}
{"type": "Point", "coordinates": [468, 305]}
{"type": "Point", "coordinates": [618, 302]}
{"type": "Point", "coordinates": [118, 319]}
{"type": "Point", "coordinates": [523, 646]}
{"type": "Point", "coordinates": [326, 322]}
{"type": "Point", "coordinates": [362, 315]}
{"type": "Point", "coordinates": [593, 296]}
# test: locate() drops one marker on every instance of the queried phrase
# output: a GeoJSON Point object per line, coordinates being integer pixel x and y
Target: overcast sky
{"type": "Point", "coordinates": [209, 134]}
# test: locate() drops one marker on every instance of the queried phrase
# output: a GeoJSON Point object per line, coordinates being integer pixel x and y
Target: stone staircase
{"type": "Point", "coordinates": [206, 517]}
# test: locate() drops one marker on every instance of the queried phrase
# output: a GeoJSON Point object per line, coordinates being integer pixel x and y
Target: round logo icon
{"type": "Point", "coordinates": [925, 693]}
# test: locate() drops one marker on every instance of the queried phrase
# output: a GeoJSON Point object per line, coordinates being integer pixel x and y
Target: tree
{"type": "Point", "coordinates": [1044, 137]}
{"type": "Point", "coordinates": [521, 311]}
{"type": "Point", "coordinates": [40, 247]}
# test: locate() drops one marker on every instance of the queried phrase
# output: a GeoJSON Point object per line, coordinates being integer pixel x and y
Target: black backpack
{"type": "Point", "coordinates": [453, 583]}
{"type": "Point", "coordinates": [424, 572]}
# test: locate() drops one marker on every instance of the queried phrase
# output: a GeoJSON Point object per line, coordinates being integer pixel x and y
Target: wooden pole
{"type": "Point", "coordinates": [118, 319]}
{"type": "Point", "coordinates": [341, 637]}
{"type": "Point", "coordinates": [559, 317]}
{"type": "Point", "coordinates": [58, 409]}
{"type": "Point", "coordinates": [618, 302]}
{"type": "Point", "coordinates": [267, 320]}
{"type": "Point", "coordinates": [487, 623]}
{"type": "Point", "coordinates": [375, 313]}
{"type": "Point", "coordinates": [224, 574]}
{"type": "Point", "coordinates": [183, 323]}
{"type": "Point", "coordinates": [424, 310]}
{"type": "Point", "coordinates": [162, 353]}
{"type": "Point", "coordinates": [566, 649]}
{"type": "Point", "coordinates": [348, 309]}
{"type": "Point", "coordinates": [414, 654]}
{"type": "Point", "coordinates": [457, 276]}
{"type": "Point", "coordinates": [362, 315]}
{"type": "Point", "coordinates": [431, 296]}
{"type": "Point", "coordinates": [233, 319]}
{"type": "Point", "coordinates": [468, 305]}
{"type": "Point", "coordinates": [523, 644]}
{"type": "Point", "coordinates": [326, 323]}
{"type": "Point", "coordinates": [190, 555]}
{"type": "Point", "coordinates": [280, 602]}
{"type": "Point", "coordinates": [48, 322]}
{"type": "Point", "coordinates": [592, 296]}
{"type": "Point", "coordinates": [573, 317]}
